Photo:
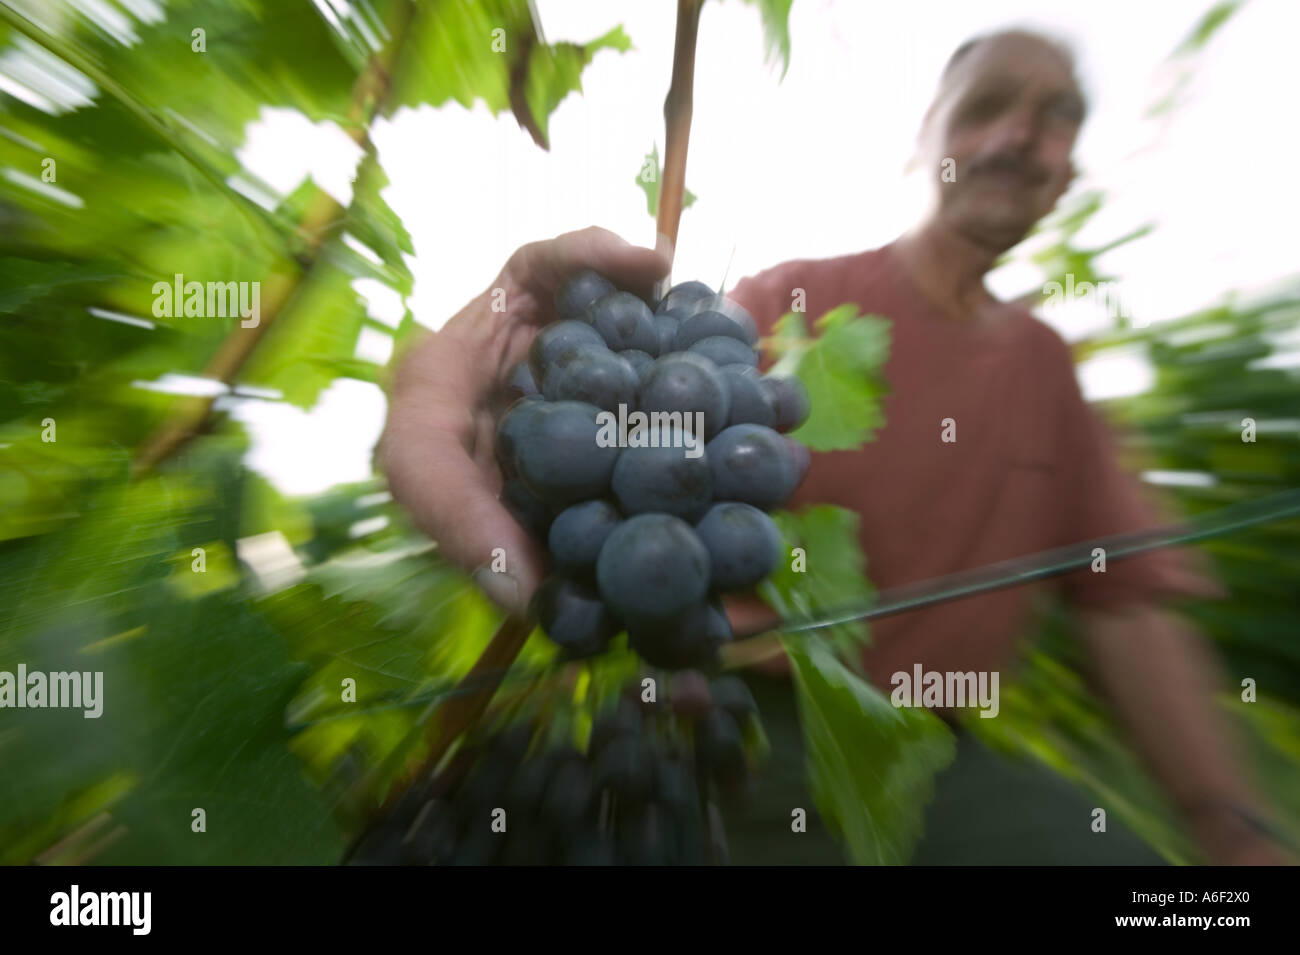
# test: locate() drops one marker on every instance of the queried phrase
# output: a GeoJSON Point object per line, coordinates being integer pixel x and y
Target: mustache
{"type": "Point", "coordinates": [1012, 163]}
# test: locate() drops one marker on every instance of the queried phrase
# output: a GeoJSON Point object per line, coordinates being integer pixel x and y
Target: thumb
{"type": "Point", "coordinates": [447, 497]}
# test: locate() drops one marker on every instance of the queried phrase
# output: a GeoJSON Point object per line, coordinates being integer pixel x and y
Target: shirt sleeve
{"type": "Point", "coordinates": [1102, 498]}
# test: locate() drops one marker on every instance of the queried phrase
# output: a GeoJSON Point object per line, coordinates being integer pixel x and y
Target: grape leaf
{"type": "Point", "coordinates": [647, 181]}
{"type": "Point", "coordinates": [834, 575]}
{"type": "Point", "coordinates": [556, 71]}
{"type": "Point", "coordinates": [871, 765]}
{"type": "Point", "coordinates": [481, 52]}
{"type": "Point", "coordinates": [776, 30]}
{"type": "Point", "coordinates": [842, 370]}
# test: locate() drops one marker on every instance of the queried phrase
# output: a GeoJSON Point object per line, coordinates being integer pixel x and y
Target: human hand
{"type": "Point", "coordinates": [439, 441]}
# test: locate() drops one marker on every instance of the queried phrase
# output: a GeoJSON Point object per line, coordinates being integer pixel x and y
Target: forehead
{"type": "Point", "coordinates": [1022, 60]}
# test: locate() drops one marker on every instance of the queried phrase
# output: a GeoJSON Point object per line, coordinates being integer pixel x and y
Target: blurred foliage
{"type": "Point", "coordinates": [228, 688]}
{"type": "Point", "coordinates": [647, 180]}
{"type": "Point", "coordinates": [871, 764]}
{"type": "Point", "coordinates": [833, 574]}
{"type": "Point", "coordinates": [841, 368]}
{"type": "Point", "coordinates": [1234, 360]}
{"type": "Point", "coordinates": [271, 660]}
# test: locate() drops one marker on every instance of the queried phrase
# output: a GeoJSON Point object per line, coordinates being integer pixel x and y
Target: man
{"type": "Point", "coordinates": [988, 451]}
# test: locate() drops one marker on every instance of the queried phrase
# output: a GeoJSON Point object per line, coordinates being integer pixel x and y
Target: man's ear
{"type": "Point", "coordinates": [1065, 183]}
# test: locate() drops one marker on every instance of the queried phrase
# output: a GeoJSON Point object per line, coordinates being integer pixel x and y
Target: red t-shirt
{"type": "Point", "coordinates": [1032, 466]}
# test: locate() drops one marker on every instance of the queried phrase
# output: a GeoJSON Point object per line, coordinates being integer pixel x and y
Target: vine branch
{"type": "Point", "coordinates": [319, 221]}
{"type": "Point", "coordinates": [678, 106]}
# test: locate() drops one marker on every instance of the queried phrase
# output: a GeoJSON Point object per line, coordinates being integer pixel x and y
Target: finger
{"type": "Point", "coordinates": [429, 451]}
{"type": "Point", "coordinates": [540, 267]}
{"type": "Point", "coordinates": [432, 474]}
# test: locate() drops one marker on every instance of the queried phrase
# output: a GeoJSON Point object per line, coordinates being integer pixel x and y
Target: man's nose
{"type": "Point", "coordinates": [1017, 128]}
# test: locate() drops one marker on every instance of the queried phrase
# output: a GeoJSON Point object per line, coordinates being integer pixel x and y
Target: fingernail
{"type": "Point", "coordinates": [501, 588]}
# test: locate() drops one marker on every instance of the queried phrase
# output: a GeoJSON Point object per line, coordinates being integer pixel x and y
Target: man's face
{"type": "Point", "coordinates": [1008, 114]}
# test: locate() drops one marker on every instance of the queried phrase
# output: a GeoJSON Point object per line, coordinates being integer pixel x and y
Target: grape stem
{"type": "Point", "coordinates": [321, 220]}
{"type": "Point", "coordinates": [462, 709]}
{"type": "Point", "coordinates": [678, 106]}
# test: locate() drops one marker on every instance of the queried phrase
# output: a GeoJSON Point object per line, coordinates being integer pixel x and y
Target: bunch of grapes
{"type": "Point", "coordinates": [645, 532]}
{"type": "Point", "coordinates": [640, 795]}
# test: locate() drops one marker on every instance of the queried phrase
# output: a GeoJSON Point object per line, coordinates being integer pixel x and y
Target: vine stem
{"type": "Point", "coordinates": [467, 703]}
{"type": "Point", "coordinates": [678, 107]}
{"type": "Point", "coordinates": [319, 220]}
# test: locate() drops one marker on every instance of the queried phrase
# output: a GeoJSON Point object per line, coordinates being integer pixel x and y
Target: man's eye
{"type": "Point", "coordinates": [982, 107]}
{"type": "Point", "coordinates": [1064, 111]}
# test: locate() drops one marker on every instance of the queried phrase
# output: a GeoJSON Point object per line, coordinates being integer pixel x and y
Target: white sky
{"type": "Point", "coordinates": [814, 165]}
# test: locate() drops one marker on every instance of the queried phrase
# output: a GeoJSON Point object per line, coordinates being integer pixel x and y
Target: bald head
{"type": "Point", "coordinates": [1002, 125]}
{"type": "Point", "coordinates": [1026, 42]}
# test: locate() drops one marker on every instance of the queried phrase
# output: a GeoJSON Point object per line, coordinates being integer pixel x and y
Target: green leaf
{"type": "Point", "coordinates": [647, 181]}
{"type": "Point", "coordinates": [871, 765]}
{"type": "Point", "coordinates": [193, 690]}
{"type": "Point", "coordinates": [25, 280]}
{"type": "Point", "coordinates": [1207, 26]}
{"type": "Point", "coordinates": [312, 340]}
{"type": "Point", "coordinates": [834, 571]}
{"type": "Point", "coordinates": [776, 30]}
{"type": "Point", "coordinates": [841, 368]}
{"type": "Point", "coordinates": [556, 71]}
{"type": "Point", "coordinates": [488, 52]}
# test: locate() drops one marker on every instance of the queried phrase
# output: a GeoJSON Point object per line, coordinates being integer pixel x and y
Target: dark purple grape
{"type": "Point", "coordinates": [720, 748]}
{"type": "Point", "coordinates": [689, 694]}
{"type": "Point", "coordinates": [601, 378]}
{"type": "Point", "coordinates": [673, 787]}
{"type": "Point", "coordinates": [639, 361]}
{"type": "Point", "coordinates": [578, 291]}
{"type": "Point", "coordinates": [790, 398]}
{"type": "Point", "coordinates": [519, 418]}
{"type": "Point", "coordinates": [579, 531]}
{"type": "Point", "coordinates": [750, 402]}
{"type": "Point", "coordinates": [690, 638]}
{"type": "Point", "coordinates": [687, 383]}
{"type": "Point", "coordinates": [530, 511]}
{"type": "Point", "coordinates": [665, 480]}
{"type": "Point", "coordinates": [751, 464]}
{"type": "Point", "coordinates": [666, 327]}
{"type": "Point", "coordinates": [558, 344]}
{"type": "Point", "coordinates": [624, 321]}
{"type": "Point", "coordinates": [744, 545]}
{"type": "Point", "coordinates": [738, 314]}
{"type": "Point", "coordinates": [573, 616]}
{"type": "Point", "coordinates": [652, 566]}
{"type": "Point", "coordinates": [722, 350]}
{"type": "Point", "coordinates": [801, 458]}
{"type": "Point", "coordinates": [568, 795]}
{"type": "Point", "coordinates": [708, 324]}
{"type": "Point", "coordinates": [624, 765]}
{"type": "Point", "coordinates": [559, 456]}
{"type": "Point", "coordinates": [733, 695]}
{"type": "Point", "coordinates": [623, 720]}
{"type": "Point", "coordinates": [684, 297]}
